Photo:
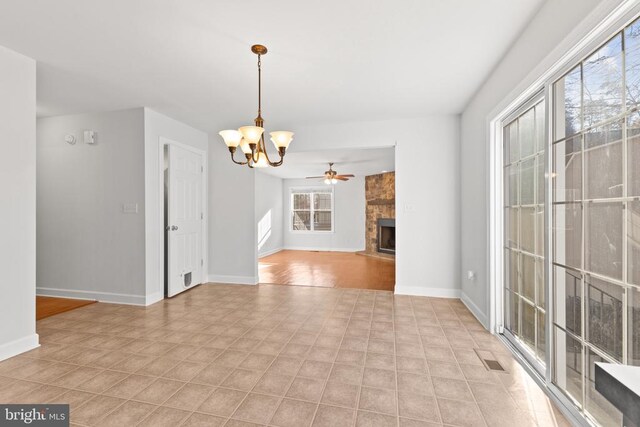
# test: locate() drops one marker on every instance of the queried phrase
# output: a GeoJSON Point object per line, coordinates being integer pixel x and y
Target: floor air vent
{"type": "Point", "coordinates": [489, 361]}
{"type": "Point", "coordinates": [493, 365]}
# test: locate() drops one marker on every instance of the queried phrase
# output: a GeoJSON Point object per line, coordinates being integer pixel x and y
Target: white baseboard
{"type": "Point", "coordinates": [15, 347]}
{"type": "Point", "coordinates": [427, 292]}
{"type": "Point", "coordinates": [154, 298]}
{"type": "Point", "coordinates": [267, 253]}
{"type": "Point", "coordinates": [322, 249]}
{"type": "Point", "coordinates": [475, 310]}
{"type": "Point", "coordinates": [92, 295]}
{"type": "Point", "coordinates": [233, 280]}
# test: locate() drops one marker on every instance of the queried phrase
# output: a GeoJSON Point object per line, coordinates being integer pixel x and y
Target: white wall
{"type": "Point", "coordinates": [427, 193]}
{"type": "Point", "coordinates": [158, 130]}
{"type": "Point", "coordinates": [233, 253]}
{"type": "Point", "coordinates": [17, 203]}
{"type": "Point", "coordinates": [269, 217]}
{"type": "Point", "coordinates": [87, 246]}
{"type": "Point", "coordinates": [349, 218]}
{"type": "Point", "coordinates": [549, 27]}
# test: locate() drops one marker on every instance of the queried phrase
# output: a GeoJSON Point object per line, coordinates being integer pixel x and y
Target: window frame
{"type": "Point", "coordinates": [311, 191]}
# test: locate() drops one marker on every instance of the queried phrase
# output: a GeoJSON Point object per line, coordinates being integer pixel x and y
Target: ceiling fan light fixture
{"type": "Point", "coordinates": [332, 177]}
{"type": "Point", "coordinates": [251, 138]}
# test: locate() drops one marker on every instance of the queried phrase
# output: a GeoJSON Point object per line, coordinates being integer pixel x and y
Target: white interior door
{"type": "Point", "coordinates": [184, 219]}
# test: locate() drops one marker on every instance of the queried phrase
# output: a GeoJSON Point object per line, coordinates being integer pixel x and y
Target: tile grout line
{"type": "Point", "coordinates": [449, 317]}
{"type": "Point", "coordinates": [395, 357]}
{"type": "Point", "coordinates": [342, 293]}
{"type": "Point", "coordinates": [230, 417]}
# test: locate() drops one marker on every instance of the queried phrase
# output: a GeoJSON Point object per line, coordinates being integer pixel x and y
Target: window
{"type": "Point", "coordinates": [312, 210]}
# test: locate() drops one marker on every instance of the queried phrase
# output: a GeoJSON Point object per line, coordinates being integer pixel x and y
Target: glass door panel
{"type": "Point", "coordinates": [596, 225]}
{"type": "Point", "coordinates": [524, 195]}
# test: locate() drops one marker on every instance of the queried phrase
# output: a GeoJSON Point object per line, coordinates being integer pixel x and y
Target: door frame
{"type": "Point", "coordinates": [164, 142]}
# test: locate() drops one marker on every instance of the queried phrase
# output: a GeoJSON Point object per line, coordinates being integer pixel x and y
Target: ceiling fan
{"type": "Point", "coordinates": [331, 176]}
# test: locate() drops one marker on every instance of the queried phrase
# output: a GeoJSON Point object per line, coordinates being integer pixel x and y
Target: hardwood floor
{"type": "Point", "coordinates": [328, 269]}
{"type": "Point", "coordinates": [48, 306]}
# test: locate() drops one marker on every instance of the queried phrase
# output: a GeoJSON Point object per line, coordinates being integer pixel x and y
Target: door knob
{"type": "Point", "coordinates": [174, 227]}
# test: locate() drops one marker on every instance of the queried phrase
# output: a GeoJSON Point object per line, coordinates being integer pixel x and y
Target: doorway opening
{"type": "Point", "coordinates": [319, 232]}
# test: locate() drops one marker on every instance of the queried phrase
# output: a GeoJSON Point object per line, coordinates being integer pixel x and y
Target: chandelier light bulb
{"type": "Point", "coordinates": [251, 133]}
{"type": "Point", "coordinates": [231, 137]}
{"type": "Point", "coordinates": [334, 181]}
{"type": "Point", "coordinates": [262, 161]}
{"type": "Point", "coordinates": [244, 146]}
{"type": "Point", "coordinates": [281, 138]}
{"type": "Point", "coordinates": [327, 181]}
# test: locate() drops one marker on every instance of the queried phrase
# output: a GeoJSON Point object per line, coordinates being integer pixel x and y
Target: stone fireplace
{"type": "Point", "coordinates": [380, 193]}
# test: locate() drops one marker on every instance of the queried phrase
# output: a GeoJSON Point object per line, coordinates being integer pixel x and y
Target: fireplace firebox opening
{"type": "Point", "coordinates": [386, 235]}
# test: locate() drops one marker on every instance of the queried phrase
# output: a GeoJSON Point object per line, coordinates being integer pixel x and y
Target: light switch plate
{"type": "Point", "coordinates": [131, 208]}
{"type": "Point", "coordinates": [89, 137]}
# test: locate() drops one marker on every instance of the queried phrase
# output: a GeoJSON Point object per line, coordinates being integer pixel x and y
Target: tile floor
{"type": "Point", "coordinates": [278, 356]}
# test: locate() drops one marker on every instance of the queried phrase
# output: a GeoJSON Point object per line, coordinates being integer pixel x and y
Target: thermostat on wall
{"type": "Point", "coordinates": [89, 137]}
{"type": "Point", "coordinates": [70, 139]}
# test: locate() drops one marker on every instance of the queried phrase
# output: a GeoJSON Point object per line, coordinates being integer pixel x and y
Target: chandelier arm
{"type": "Point", "coordinates": [237, 162]}
{"type": "Point", "coordinates": [274, 164]}
{"type": "Point", "coordinates": [255, 153]}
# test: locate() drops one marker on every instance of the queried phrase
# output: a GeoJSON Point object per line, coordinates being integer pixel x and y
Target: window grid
{"type": "Point", "coordinates": [524, 160]}
{"type": "Point", "coordinates": [317, 210]}
{"type": "Point", "coordinates": [592, 403]}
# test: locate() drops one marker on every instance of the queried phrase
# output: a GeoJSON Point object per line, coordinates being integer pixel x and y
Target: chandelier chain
{"type": "Point", "coordinates": [259, 87]}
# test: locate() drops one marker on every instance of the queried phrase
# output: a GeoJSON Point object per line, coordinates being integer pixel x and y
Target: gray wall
{"type": "Point", "coordinates": [233, 254]}
{"type": "Point", "coordinates": [158, 130]}
{"type": "Point", "coordinates": [87, 247]}
{"type": "Point", "coordinates": [349, 218]}
{"type": "Point", "coordinates": [269, 217]}
{"type": "Point", "coordinates": [18, 203]}
{"type": "Point", "coordinates": [548, 28]}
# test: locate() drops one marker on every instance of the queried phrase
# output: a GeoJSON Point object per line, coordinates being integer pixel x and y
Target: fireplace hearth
{"type": "Point", "coordinates": [386, 237]}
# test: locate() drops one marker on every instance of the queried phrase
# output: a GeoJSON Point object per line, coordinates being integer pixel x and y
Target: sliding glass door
{"type": "Point", "coordinates": [524, 184]}
{"type": "Point", "coordinates": [596, 219]}
{"type": "Point", "coordinates": [591, 265]}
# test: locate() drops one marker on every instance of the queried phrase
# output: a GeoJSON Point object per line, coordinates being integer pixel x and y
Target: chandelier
{"type": "Point", "coordinates": [251, 138]}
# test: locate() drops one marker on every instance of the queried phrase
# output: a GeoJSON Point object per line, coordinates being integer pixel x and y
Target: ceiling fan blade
{"type": "Point", "coordinates": [341, 178]}
{"type": "Point", "coordinates": [314, 177]}
{"type": "Point", "coordinates": [347, 176]}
